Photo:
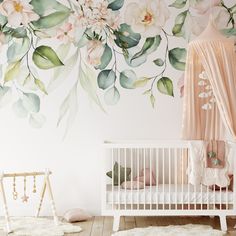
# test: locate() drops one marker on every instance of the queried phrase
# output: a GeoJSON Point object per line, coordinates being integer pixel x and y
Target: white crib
{"type": "Point", "coordinates": [171, 195]}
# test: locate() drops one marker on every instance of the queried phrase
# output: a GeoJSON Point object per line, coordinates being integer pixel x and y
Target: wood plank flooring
{"type": "Point", "coordinates": [102, 226]}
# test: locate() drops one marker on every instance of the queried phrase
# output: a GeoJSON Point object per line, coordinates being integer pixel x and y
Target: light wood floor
{"type": "Point", "coordinates": [102, 226]}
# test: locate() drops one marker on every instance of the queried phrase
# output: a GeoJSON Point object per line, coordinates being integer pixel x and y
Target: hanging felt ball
{"type": "Point", "coordinates": [34, 186]}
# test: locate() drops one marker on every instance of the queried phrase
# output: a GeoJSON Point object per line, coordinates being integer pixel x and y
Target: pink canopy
{"type": "Point", "coordinates": [210, 87]}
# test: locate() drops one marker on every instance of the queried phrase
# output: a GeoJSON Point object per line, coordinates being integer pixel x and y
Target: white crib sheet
{"type": "Point", "coordinates": [168, 194]}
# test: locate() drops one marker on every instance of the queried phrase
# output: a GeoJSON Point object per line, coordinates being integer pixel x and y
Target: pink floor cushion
{"type": "Point", "coordinates": [132, 185]}
{"type": "Point", "coordinates": [76, 215]}
{"type": "Point", "coordinates": [149, 177]}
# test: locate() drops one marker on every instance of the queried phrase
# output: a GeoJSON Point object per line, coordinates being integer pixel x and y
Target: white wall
{"type": "Point", "coordinates": [75, 161]}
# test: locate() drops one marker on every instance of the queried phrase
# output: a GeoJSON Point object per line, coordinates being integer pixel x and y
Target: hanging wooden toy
{"type": "Point", "coordinates": [14, 193]}
{"type": "Point", "coordinates": [34, 186]}
{"type": "Point", "coordinates": [25, 197]}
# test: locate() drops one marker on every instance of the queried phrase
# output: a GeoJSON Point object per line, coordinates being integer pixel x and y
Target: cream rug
{"type": "Point", "coordinates": [31, 226]}
{"type": "Point", "coordinates": [172, 230]}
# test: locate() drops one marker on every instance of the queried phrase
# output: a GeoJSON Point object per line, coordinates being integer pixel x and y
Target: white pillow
{"type": "Point", "coordinates": [76, 215]}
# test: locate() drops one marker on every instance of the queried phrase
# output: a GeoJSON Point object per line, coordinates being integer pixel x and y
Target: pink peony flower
{"type": "Point", "coordinates": [18, 12]}
{"type": "Point", "coordinates": [66, 33]}
{"type": "Point", "coordinates": [95, 50]}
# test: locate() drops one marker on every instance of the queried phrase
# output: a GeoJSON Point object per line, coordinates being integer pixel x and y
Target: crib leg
{"type": "Point", "coordinates": [223, 223]}
{"type": "Point", "coordinates": [116, 223]}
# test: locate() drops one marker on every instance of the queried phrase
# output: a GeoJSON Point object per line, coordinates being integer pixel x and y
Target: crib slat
{"type": "Point", "coordinates": [214, 196]}
{"type": "Point", "coordinates": [188, 193]}
{"type": "Point", "coordinates": [220, 198]}
{"type": "Point", "coordinates": [138, 157]}
{"type": "Point", "coordinates": [119, 153]}
{"type": "Point", "coordinates": [201, 198]}
{"type": "Point", "coordinates": [132, 176]}
{"type": "Point", "coordinates": [169, 156]}
{"type": "Point", "coordinates": [157, 178]}
{"type": "Point", "coordinates": [144, 166]}
{"type": "Point", "coordinates": [176, 177]}
{"type": "Point", "coordinates": [125, 153]}
{"type": "Point", "coordinates": [227, 198]}
{"type": "Point", "coordinates": [182, 174]}
{"type": "Point", "coordinates": [163, 178]}
{"type": "Point", "coordinates": [150, 165]}
{"type": "Point", "coordinates": [208, 200]}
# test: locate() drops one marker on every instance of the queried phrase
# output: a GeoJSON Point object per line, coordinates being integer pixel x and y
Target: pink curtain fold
{"type": "Point", "coordinates": [210, 90]}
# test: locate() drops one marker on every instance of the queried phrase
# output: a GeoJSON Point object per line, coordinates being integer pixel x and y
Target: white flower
{"type": "Point", "coordinates": [147, 17]}
{"type": "Point", "coordinates": [95, 50]}
{"type": "Point", "coordinates": [18, 12]}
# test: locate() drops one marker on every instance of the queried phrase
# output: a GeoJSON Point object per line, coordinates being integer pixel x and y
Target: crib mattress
{"type": "Point", "coordinates": [168, 194]}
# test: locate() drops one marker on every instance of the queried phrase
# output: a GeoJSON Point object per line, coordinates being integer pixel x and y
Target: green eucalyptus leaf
{"type": "Point", "coordinates": [19, 32]}
{"type": "Point", "coordinates": [150, 45]}
{"type": "Point", "coordinates": [18, 49]}
{"type": "Point", "coordinates": [31, 102]}
{"type": "Point", "coordinates": [229, 32]}
{"type": "Point", "coordinates": [37, 120]}
{"type": "Point", "coordinates": [127, 79]}
{"type": "Point", "coordinates": [134, 62]}
{"type": "Point", "coordinates": [178, 29]}
{"type": "Point", "coordinates": [106, 58]}
{"type": "Point", "coordinates": [115, 4]}
{"type": "Point", "coordinates": [40, 85]}
{"type": "Point", "coordinates": [19, 109]}
{"type": "Point", "coordinates": [147, 92]}
{"type": "Point", "coordinates": [125, 37]}
{"type": "Point", "coordinates": [141, 82]}
{"type": "Point", "coordinates": [5, 95]}
{"type": "Point", "coordinates": [12, 71]}
{"type": "Point", "coordinates": [178, 4]}
{"type": "Point", "coordinates": [60, 73]}
{"type": "Point", "coordinates": [177, 58]}
{"type": "Point", "coordinates": [112, 96]}
{"type": "Point", "coordinates": [43, 6]}
{"type": "Point", "coordinates": [165, 86]}
{"type": "Point", "coordinates": [87, 79]}
{"type": "Point", "coordinates": [51, 20]}
{"type": "Point", "coordinates": [83, 41]}
{"type": "Point", "coordinates": [159, 62]}
{"type": "Point", "coordinates": [152, 100]}
{"type": "Point", "coordinates": [106, 78]}
{"type": "Point", "coordinates": [45, 57]}
{"type": "Point", "coordinates": [3, 20]}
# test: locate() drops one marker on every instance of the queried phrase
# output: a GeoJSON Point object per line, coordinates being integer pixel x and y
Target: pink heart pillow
{"type": "Point", "coordinates": [148, 181]}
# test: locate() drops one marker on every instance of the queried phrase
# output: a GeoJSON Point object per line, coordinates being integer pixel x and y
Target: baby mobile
{"type": "Point", "coordinates": [24, 198]}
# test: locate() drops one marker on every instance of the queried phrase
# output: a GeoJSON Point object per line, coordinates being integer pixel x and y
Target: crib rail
{"type": "Point", "coordinates": [162, 168]}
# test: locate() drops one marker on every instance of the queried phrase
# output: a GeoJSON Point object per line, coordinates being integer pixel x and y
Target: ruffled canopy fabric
{"type": "Point", "coordinates": [210, 87]}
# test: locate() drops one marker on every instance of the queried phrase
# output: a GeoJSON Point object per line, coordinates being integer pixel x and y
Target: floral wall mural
{"type": "Point", "coordinates": [104, 43]}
